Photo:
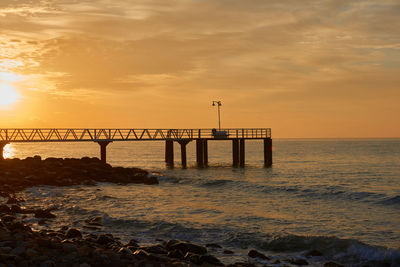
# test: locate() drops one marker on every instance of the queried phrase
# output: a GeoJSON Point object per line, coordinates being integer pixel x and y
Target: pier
{"type": "Point", "coordinates": [104, 137]}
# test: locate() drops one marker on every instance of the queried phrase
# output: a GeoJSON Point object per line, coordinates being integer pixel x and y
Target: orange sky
{"type": "Point", "coordinates": [310, 68]}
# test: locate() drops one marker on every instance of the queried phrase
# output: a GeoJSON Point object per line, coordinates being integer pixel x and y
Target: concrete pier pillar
{"type": "Point", "coordinates": [235, 152]}
{"type": "Point", "coordinates": [2, 145]}
{"type": "Point", "coordinates": [103, 150]}
{"type": "Point", "coordinates": [183, 144]}
{"type": "Point", "coordinates": [205, 152]}
{"type": "Point", "coordinates": [169, 153]}
{"type": "Point", "coordinates": [268, 152]}
{"type": "Point", "coordinates": [200, 153]}
{"type": "Point", "coordinates": [242, 153]}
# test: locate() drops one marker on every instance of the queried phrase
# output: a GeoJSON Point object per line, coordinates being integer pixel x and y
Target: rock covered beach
{"type": "Point", "coordinates": [20, 245]}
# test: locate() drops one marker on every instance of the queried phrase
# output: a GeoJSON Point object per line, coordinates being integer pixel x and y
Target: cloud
{"type": "Point", "coordinates": [310, 53]}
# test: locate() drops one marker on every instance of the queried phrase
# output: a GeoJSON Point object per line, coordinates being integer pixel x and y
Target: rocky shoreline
{"type": "Point", "coordinates": [20, 245]}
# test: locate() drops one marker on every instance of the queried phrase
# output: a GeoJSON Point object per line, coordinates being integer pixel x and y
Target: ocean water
{"type": "Point", "coordinates": [341, 197]}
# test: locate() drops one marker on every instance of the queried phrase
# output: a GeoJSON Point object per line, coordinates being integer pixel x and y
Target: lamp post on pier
{"type": "Point", "coordinates": [219, 104]}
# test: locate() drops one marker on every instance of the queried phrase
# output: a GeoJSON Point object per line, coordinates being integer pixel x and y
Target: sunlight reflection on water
{"type": "Point", "coordinates": [9, 151]}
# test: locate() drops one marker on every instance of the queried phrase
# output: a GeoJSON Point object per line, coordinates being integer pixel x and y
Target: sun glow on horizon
{"type": "Point", "coordinates": [8, 95]}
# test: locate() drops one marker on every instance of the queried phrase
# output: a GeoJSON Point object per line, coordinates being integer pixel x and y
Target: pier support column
{"type": "Point", "coordinates": [183, 144]}
{"type": "Point", "coordinates": [103, 150]}
{"type": "Point", "coordinates": [2, 145]}
{"type": "Point", "coordinates": [268, 152]}
{"type": "Point", "coordinates": [205, 152]}
{"type": "Point", "coordinates": [235, 152]}
{"type": "Point", "coordinates": [242, 153]}
{"type": "Point", "coordinates": [169, 153]}
{"type": "Point", "coordinates": [200, 153]}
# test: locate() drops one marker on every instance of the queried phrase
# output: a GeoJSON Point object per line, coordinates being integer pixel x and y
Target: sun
{"type": "Point", "coordinates": [8, 95]}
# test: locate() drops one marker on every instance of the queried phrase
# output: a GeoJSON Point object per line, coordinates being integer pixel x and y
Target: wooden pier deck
{"type": "Point", "coordinates": [104, 136]}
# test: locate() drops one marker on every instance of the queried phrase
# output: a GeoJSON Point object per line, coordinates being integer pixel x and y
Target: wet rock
{"type": "Point", "coordinates": [186, 247]}
{"type": "Point", "coordinates": [299, 262]}
{"type": "Point", "coordinates": [170, 243]}
{"type": "Point", "coordinates": [150, 180]}
{"type": "Point", "coordinates": [96, 221]}
{"type": "Point", "coordinates": [157, 249]}
{"type": "Point", "coordinates": [211, 259]}
{"type": "Point", "coordinates": [176, 254]}
{"type": "Point", "coordinates": [69, 247]}
{"type": "Point", "coordinates": [16, 209]}
{"type": "Point", "coordinates": [73, 233]}
{"type": "Point", "coordinates": [142, 254]}
{"type": "Point", "coordinates": [104, 239]}
{"type": "Point", "coordinates": [227, 251]}
{"type": "Point", "coordinates": [213, 245]}
{"type": "Point", "coordinates": [133, 243]}
{"type": "Point", "coordinates": [125, 251]}
{"type": "Point", "coordinates": [18, 250]}
{"type": "Point", "coordinates": [193, 258]}
{"type": "Point", "coordinates": [4, 209]}
{"type": "Point", "coordinates": [12, 200]}
{"type": "Point", "coordinates": [313, 253]}
{"type": "Point", "coordinates": [7, 218]}
{"type": "Point", "coordinates": [40, 213]}
{"type": "Point", "coordinates": [332, 264]}
{"type": "Point", "coordinates": [255, 254]}
{"type": "Point", "coordinates": [42, 222]}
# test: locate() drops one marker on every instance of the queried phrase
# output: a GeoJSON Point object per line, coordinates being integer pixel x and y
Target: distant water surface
{"type": "Point", "coordinates": [340, 196]}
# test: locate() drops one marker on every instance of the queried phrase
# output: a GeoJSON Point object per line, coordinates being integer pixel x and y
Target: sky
{"type": "Point", "coordinates": [306, 69]}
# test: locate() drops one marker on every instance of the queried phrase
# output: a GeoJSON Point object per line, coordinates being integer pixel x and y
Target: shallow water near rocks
{"type": "Point", "coordinates": [341, 197]}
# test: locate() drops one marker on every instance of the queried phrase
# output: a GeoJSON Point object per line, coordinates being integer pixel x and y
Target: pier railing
{"type": "Point", "coordinates": [106, 134]}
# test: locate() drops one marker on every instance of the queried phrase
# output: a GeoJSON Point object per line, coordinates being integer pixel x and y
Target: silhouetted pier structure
{"type": "Point", "coordinates": [182, 136]}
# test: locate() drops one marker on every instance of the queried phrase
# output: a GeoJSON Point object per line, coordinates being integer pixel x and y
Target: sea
{"type": "Point", "coordinates": [339, 196]}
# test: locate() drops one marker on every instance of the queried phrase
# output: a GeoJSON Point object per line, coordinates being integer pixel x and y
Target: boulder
{"type": "Point", "coordinates": [193, 258]}
{"type": "Point", "coordinates": [176, 254]}
{"type": "Point", "coordinates": [157, 249]}
{"type": "Point", "coordinates": [104, 239]}
{"type": "Point", "coordinates": [40, 213]}
{"type": "Point", "coordinates": [186, 247]}
{"type": "Point", "coordinates": [255, 254]}
{"type": "Point", "coordinates": [73, 233]}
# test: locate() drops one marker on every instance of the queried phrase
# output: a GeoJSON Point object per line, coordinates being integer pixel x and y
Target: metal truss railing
{"type": "Point", "coordinates": [103, 134]}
